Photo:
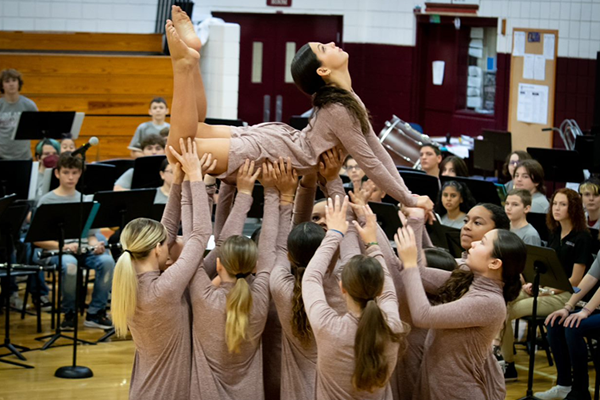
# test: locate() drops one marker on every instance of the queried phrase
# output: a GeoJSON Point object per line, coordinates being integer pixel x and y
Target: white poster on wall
{"type": "Point", "coordinates": [532, 106]}
{"type": "Point", "coordinates": [519, 45]}
{"type": "Point", "coordinates": [438, 72]}
{"type": "Point", "coordinates": [549, 46]}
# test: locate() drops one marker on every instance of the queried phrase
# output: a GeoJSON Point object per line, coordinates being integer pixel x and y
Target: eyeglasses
{"type": "Point", "coordinates": [513, 162]}
{"type": "Point", "coordinates": [352, 167]}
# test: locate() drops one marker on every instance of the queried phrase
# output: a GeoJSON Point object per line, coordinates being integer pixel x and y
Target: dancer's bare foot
{"type": "Point", "coordinates": [181, 55]}
{"type": "Point", "coordinates": [185, 28]}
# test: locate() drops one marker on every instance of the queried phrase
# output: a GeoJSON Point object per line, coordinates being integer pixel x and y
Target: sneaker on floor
{"type": "Point", "coordinates": [98, 320]}
{"type": "Point", "coordinates": [45, 303]}
{"type": "Point", "coordinates": [510, 372]}
{"type": "Point", "coordinates": [555, 393]}
{"type": "Point", "coordinates": [16, 302]}
{"type": "Point", "coordinates": [68, 322]}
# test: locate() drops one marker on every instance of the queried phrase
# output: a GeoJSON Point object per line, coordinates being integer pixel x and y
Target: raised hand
{"type": "Point", "coordinates": [335, 214]}
{"type": "Point", "coordinates": [208, 163]}
{"type": "Point", "coordinates": [426, 204]}
{"type": "Point", "coordinates": [178, 174]}
{"type": "Point", "coordinates": [368, 233]}
{"type": "Point", "coordinates": [406, 245]}
{"type": "Point", "coordinates": [188, 159]}
{"type": "Point", "coordinates": [286, 178]}
{"type": "Point", "coordinates": [267, 179]}
{"type": "Point", "coordinates": [246, 177]}
{"type": "Point", "coordinates": [331, 162]}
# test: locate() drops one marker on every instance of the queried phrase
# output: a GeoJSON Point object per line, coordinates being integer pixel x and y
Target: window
{"type": "Point", "coordinates": [257, 62]}
{"type": "Point", "coordinates": [481, 70]}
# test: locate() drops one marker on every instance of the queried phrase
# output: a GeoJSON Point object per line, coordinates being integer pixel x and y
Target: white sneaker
{"type": "Point", "coordinates": [555, 393]}
{"type": "Point", "coordinates": [15, 301]}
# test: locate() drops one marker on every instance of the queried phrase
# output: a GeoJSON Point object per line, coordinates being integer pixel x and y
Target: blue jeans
{"type": "Point", "coordinates": [104, 266]}
{"type": "Point", "coordinates": [570, 352]}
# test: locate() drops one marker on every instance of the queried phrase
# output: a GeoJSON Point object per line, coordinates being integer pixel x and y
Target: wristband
{"type": "Point", "coordinates": [588, 311]}
{"type": "Point", "coordinates": [372, 244]}
{"type": "Point", "coordinates": [335, 230]}
{"type": "Point", "coordinates": [569, 307]}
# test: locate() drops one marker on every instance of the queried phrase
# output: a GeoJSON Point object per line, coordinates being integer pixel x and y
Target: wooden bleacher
{"type": "Point", "coordinates": [110, 77]}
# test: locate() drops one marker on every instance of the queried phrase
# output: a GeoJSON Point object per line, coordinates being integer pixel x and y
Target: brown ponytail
{"type": "Point", "coordinates": [330, 95]}
{"type": "Point", "coordinates": [455, 287]}
{"type": "Point", "coordinates": [362, 278]}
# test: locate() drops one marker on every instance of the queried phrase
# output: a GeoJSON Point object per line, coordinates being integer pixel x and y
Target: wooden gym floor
{"type": "Point", "coordinates": [111, 364]}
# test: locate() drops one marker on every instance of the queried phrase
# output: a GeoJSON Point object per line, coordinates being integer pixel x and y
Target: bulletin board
{"type": "Point", "coordinates": [532, 87]}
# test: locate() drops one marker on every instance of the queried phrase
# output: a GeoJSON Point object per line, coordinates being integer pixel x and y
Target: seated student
{"type": "Point", "coordinates": [166, 174]}
{"type": "Point", "coordinates": [158, 111]}
{"type": "Point", "coordinates": [454, 202]}
{"type": "Point", "coordinates": [68, 171]}
{"type": "Point", "coordinates": [567, 330]}
{"type": "Point", "coordinates": [453, 166]}
{"type": "Point", "coordinates": [508, 169]}
{"type": "Point", "coordinates": [529, 175]}
{"type": "Point", "coordinates": [590, 195]}
{"type": "Point", "coordinates": [12, 103]}
{"type": "Point", "coordinates": [152, 145]}
{"type": "Point", "coordinates": [571, 240]}
{"type": "Point", "coordinates": [67, 144]}
{"type": "Point", "coordinates": [354, 172]}
{"type": "Point", "coordinates": [375, 193]}
{"type": "Point", "coordinates": [430, 157]}
{"type": "Point", "coordinates": [517, 206]}
{"type": "Point", "coordinates": [46, 152]}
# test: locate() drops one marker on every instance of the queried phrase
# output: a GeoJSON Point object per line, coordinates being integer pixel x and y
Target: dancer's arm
{"type": "Point", "coordinates": [187, 211]}
{"type": "Point", "coordinates": [305, 199]}
{"type": "Point", "coordinates": [351, 137]}
{"type": "Point", "coordinates": [172, 213]}
{"type": "Point", "coordinates": [226, 196]}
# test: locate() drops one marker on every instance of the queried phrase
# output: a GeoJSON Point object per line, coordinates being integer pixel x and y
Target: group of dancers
{"type": "Point", "coordinates": [302, 312]}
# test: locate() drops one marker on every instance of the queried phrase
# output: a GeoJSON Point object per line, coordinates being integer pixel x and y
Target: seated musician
{"type": "Point", "coordinates": [152, 145]}
{"type": "Point", "coordinates": [68, 172]}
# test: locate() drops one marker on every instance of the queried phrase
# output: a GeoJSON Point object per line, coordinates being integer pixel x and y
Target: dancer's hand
{"type": "Point", "coordinates": [426, 204]}
{"type": "Point", "coordinates": [406, 245]}
{"type": "Point", "coordinates": [188, 159]}
{"type": "Point", "coordinates": [362, 196]}
{"type": "Point", "coordinates": [208, 163]}
{"type": "Point", "coordinates": [178, 174]}
{"type": "Point", "coordinates": [561, 315]}
{"type": "Point", "coordinates": [286, 179]}
{"type": "Point", "coordinates": [331, 163]}
{"type": "Point", "coordinates": [335, 214]}
{"type": "Point", "coordinates": [368, 233]}
{"type": "Point", "coordinates": [246, 177]}
{"type": "Point", "coordinates": [267, 178]}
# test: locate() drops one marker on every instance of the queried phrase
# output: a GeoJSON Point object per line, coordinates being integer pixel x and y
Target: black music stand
{"type": "Point", "coordinates": [559, 165]}
{"type": "Point", "coordinates": [402, 168]}
{"type": "Point", "coordinates": [118, 209]}
{"type": "Point", "coordinates": [14, 178]}
{"type": "Point", "coordinates": [37, 125]}
{"type": "Point", "coordinates": [483, 156]}
{"type": "Point", "coordinates": [9, 229]}
{"type": "Point", "coordinates": [61, 218]}
{"type": "Point", "coordinates": [157, 211]}
{"type": "Point", "coordinates": [585, 146]}
{"type": "Point", "coordinates": [483, 191]}
{"type": "Point", "coordinates": [387, 218]}
{"type": "Point", "coordinates": [421, 184]}
{"type": "Point", "coordinates": [146, 172]}
{"type": "Point", "coordinates": [121, 165]}
{"type": "Point", "coordinates": [96, 177]}
{"type": "Point", "coordinates": [542, 268]}
{"type": "Point", "coordinates": [445, 237]}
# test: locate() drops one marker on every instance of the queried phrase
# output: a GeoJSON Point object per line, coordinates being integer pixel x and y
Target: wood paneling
{"type": "Point", "coordinates": [81, 41]}
{"type": "Point", "coordinates": [128, 104]}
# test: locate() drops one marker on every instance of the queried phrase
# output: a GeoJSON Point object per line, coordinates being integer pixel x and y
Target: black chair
{"type": "Point", "coordinates": [593, 342]}
{"type": "Point", "coordinates": [541, 341]}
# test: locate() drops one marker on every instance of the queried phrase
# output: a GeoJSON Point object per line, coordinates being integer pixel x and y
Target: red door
{"type": "Point", "coordinates": [267, 43]}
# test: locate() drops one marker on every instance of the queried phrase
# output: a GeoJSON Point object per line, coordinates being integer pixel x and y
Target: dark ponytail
{"type": "Point", "coordinates": [362, 278]}
{"type": "Point", "coordinates": [304, 71]}
{"type": "Point", "coordinates": [455, 287]}
{"type": "Point", "coordinates": [509, 248]}
{"type": "Point", "coordinates": [303, 241]}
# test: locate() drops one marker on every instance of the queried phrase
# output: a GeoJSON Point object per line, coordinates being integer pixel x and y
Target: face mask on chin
{"type": "Point", "coordinates": [50, 161]}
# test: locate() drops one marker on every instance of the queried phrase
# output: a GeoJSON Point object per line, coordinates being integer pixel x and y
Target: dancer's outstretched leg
{"type": "Point", "coordinates": [187, 33]}
{"type": "Point", "coordinates": [184, 117]}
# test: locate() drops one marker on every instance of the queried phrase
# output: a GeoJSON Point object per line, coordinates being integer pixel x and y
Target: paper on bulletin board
{"type": "Point", "coordinates": [539, 68]}
{"type": "Point", "coordinates": [528, 66]}
{"type": "Point", "coordinates": [549, 46]}
{"type": "Point", "coordinates": [519, 47]}
{"type": "Point", "coordinates": [532, 105]}
{"type": "Point", "coordinates": [438, 72]}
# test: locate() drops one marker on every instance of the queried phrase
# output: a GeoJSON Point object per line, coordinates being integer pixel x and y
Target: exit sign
{"type": "Point", "coordinates": [279, 3]}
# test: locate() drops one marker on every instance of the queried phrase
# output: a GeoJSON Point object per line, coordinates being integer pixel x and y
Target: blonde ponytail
{"type": "Point", "coordinates": [238, 255]}
{"type": "Point", "coordinates": [138, 239]}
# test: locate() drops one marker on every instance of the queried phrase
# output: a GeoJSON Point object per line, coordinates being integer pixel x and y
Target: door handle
{"type": "Point", "coordinates": [278, 108]}
{"type": "Point", "coordinates": [267, 108]}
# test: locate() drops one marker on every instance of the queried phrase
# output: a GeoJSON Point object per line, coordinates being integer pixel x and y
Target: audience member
{"type": "Point", "coordinates": [517, 206]}
{"type": "Point", "coordinates": [454, 202]}
{"type": "Point", "coordinates": [430, 157]}
{"type": "Point", "coordinates": [68, 172]}
{"type": "Point", "coordinates": [571, 240]}
{"type": "Point", "coordinates": [481, 219]}
{"type": "Point", "coordinates": [508, 169]}
{"type": "Point", "coordinates": [152, 145]}
{"type": "Point", "coordinates": [354, 172]}
{"type": "Point", "coordinates": [11, 106]}
{"type": "Point", "coordinates": [590, 195]}
{"type": "Point", "coordinates": [166, 174]}
{"type": "Point", "coordinates": [46, 153]}
{"type": "Point", "coordinates": [529, 175]}
{"type": "Point", "coordinates": [158, 111]}
{"type": "Point", "coordinates": [67, 144]}
{"type": "Point", "coordinates": [453, 166]}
